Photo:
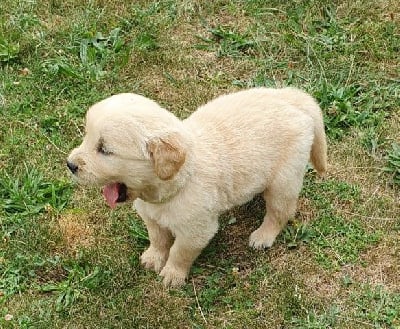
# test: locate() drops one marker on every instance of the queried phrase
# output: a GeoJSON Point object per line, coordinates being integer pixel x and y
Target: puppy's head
{"type": "Point", "coordinates": [131, 146]}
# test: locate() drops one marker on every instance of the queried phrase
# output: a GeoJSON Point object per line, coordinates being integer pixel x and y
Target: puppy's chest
{"type": "Point", "coordinates": [159, 213]}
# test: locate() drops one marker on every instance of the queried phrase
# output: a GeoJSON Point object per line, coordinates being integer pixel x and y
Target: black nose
{"type": "Point", "coordinates": [73, 167]}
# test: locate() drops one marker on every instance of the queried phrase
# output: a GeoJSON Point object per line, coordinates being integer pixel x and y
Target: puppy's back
{"type": "Point", "coordinates": [255, 111]}
{"type": "Point", "coordinates": [264, 114]}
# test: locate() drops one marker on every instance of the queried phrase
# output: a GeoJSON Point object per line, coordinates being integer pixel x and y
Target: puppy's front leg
{"type": "Point", "coordinates": [161, 240]}
{"type": "Point", "coordinates": [191, 239]}
{"type": "Point", "coordinates": [181, 257]}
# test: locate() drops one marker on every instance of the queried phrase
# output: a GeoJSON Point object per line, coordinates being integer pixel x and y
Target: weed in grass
{"type": "Point", "coordinates": [329, 32]}
{"type": "Point", "coordinates": [50, 124]}
{"type": "Point", "coordinates": [10, 35]}
{"type": "Point", "coordinates": [373, 141]}
{"type": "Point", "coordinates": [8, 51]}
{"type": "Point", "coordinates": [79, 278]}
{"type": "Point", "coordinates": [316, 320]}
{"type": "Point", "coordinates": [338, 102]}
{"type": "Point", "coordinates": [22, 199]}
{"type": "Point", "coordinates": [393, 163]}
{"type": "Point", "coordinates": [146, 41]}
{"type": "Point", "coordinates": [226, 42]}
{"type": "Point", "coordinates": [294, 234]}
{"type": "Point", "coordinates": [13, 275]}
{"type": "Point", "coordinates": [346, 107]}
{"type": "Point", "coordinates": [96, 51]}
{"type": "Point", "coordinates": [316, 38]}
{"type": "Point", "coordinates": [89, 59]}
{"type": "Point", "coordinates": [60, 67]}
{"type": "Point", "coordinates": [31, 193]}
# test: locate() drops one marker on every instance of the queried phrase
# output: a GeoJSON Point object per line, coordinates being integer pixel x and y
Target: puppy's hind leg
{"type": "Point", "coordinates": [281, 201]}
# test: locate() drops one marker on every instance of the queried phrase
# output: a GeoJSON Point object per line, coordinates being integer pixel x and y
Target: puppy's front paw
{"type": "Point", "coordinates": [261, 239]}
{"type": "Point", "coordinates": [154, 259]}
{"type": "Point", "coordinates": [173, 277]}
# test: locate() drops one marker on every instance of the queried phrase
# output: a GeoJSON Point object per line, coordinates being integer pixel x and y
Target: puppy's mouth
{"type": "Point", "coordinates": [114, 193]}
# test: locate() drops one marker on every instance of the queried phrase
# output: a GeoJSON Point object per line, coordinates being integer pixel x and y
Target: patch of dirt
{"type": "Point", "coordinates": [300, 262]}
{"type": "Point", "coordinates": [237, 225]}
{"type": "Point", "coordinates": [379, 266]}
{"type": "Point", "coordinates": [305, 211]}
{"type": "Point", "coordinates": [323, 285]}
{"type": "Point", "coordinates": [382, 267]}
{"type": "Point", "coordinates": [56, 274]}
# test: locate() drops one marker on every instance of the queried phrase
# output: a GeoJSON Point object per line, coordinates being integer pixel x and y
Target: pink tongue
{"type": "Point", "coordinates": [110, 193]}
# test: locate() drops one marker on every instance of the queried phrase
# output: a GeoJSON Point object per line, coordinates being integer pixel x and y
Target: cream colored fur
{"type": "Point", "coordinates": [183, 174]}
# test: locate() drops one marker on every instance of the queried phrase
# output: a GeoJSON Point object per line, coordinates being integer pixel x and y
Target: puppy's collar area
{"type": "Point", "coordinates": [169, 189]}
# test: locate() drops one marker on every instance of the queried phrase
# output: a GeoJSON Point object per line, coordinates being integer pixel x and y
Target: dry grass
{"type": "Point", "coordinates": [380, 265]}
{"type": "Point", "coordinates": [75, 231]}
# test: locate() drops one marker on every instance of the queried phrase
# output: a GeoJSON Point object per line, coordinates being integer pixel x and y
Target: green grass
{"type": "Point", "coordinates": [66, 260]}
{"type": "Point", "coordinates": [393, 163]}
{"type": "Point", "coordinates": [31, 194]}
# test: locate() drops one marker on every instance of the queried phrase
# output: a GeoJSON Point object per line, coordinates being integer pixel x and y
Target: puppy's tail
{"type": "Point", "coordinates": [318, 155]}
{"type": "Point", "coordinates": [308, 105]}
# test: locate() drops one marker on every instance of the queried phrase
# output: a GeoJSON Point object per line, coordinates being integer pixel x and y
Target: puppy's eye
{"type": "Point", "coordinates": [102, 149]}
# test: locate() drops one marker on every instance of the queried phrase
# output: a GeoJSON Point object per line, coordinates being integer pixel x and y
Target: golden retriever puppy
{"type": "Point", "coordinates": [183, 174]}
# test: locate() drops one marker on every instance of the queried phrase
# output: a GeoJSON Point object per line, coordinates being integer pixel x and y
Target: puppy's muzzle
{"type": "Point", "coordinates": [72, 167]}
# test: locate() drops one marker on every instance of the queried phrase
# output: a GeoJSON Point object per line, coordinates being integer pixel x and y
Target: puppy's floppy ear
{"type": "Point", "coordinates": [167, 154]}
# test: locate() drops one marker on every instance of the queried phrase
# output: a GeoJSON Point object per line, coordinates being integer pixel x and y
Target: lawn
{"type": "Point", "coordinates": [68, 261]}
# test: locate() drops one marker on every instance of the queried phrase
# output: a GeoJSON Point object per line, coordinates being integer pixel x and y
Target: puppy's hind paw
{"type": "Point", "coordinates": [261, 239]}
